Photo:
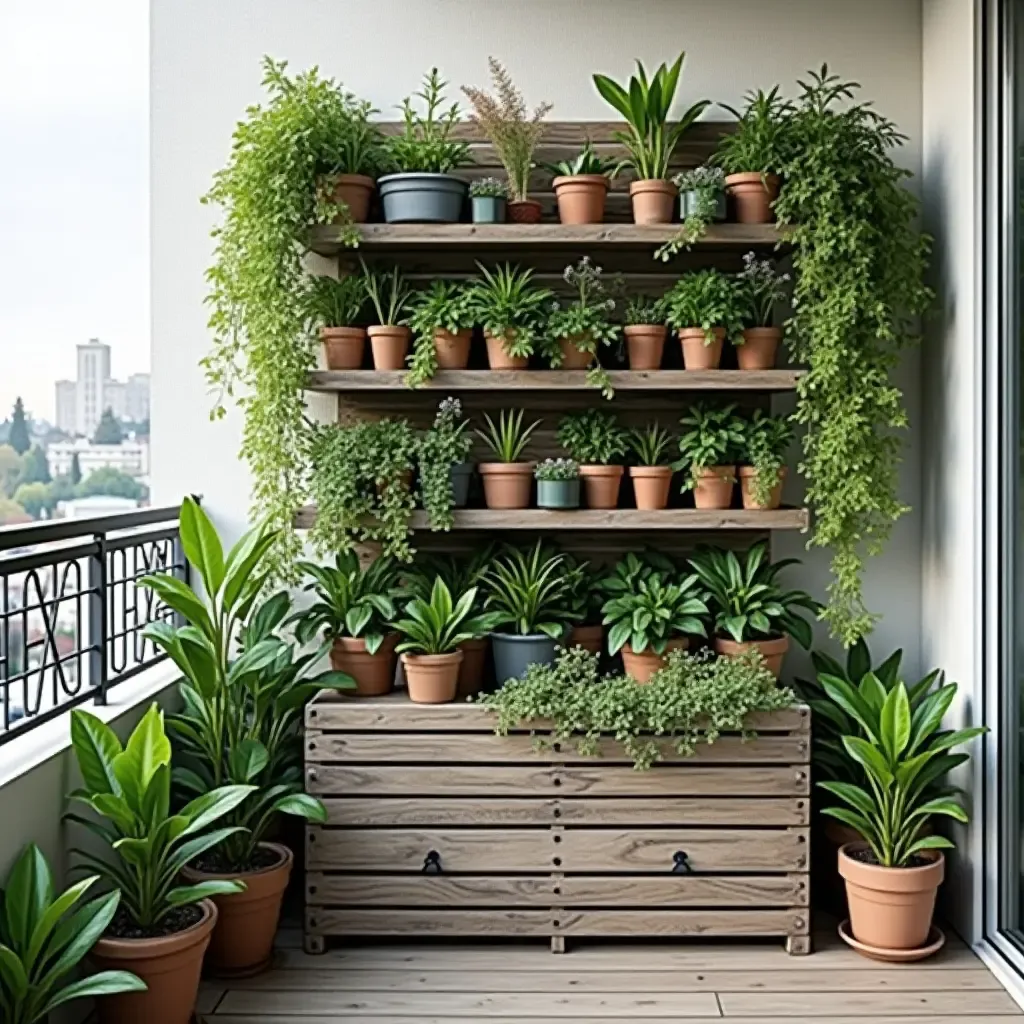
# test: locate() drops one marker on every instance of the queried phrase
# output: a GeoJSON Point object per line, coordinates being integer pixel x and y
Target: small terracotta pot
{"type": "Point", "coordinates": [525, 211]}
{"type": "Point", "coordinates": [390, 346]}
{"type": "Point", "coordinates": [654, 200]}
{"type": "Point", "coordinates": [343, 347]}
{"type": "Point", "coordinates": [753, 195]}
{"type": "Point", "coordinates": [645, 345]}
{"type": "Point", "coordinates": [590, 638]}
{"type": "Point", "coordinates": [374, 673]}
{"type": "Point", "coordinates": [574, 358]}
{"type": "Point", "coordinates": [471, 669]}
{"type": "Point", "coordinates": [355, 191]}
{"type": "Point", "coordinates": [242, 943]}
{"type": "Point", "coordinates": [772, 651]}
{"type": "Point", "coordinates": [581, 198]}
{"type": "Point", "coordinates": [891, 908]}
{"type": "Point", "coordinates": [714, 487]}
{"type": "Point", "coordinates": [170, 967]}
{"type": "Point", "coordinates": [641, 666]}
{"type": "Point", "coordinates": [698, 353]}
{"type": "Point", "coordinates": [601, 485]}
{"type": "Point", "coordinates": [759, 349]}
{"type": "Point", "coordinates": [452, 349]}
{"type": "Point", "coordinates": [507, 484]}
{"type": "Point", "coordinates": [498, 357]}
{"type": "Point", "coordinates": [651, 485]}
{"type": "Point", "coordinates": [432, 678]}
{"type": "Point", "coordinates": [747, 477]}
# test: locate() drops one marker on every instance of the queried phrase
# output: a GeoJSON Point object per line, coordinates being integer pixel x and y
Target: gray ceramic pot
{"type": "Point", "coordinates": [462, 474]}
{"type": "Point", "coordinates": [422, 198]}
{"type": "Point", "coordinates": [489, 209]}
{"type": "Point", "coordinates": [558, 493]}
{"type": "Point", "coordinates": [689, 201]}
{"type": "Point", "coordinates": [513, 654]}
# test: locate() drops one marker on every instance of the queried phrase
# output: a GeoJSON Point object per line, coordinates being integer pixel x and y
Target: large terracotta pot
{"type": "Point", "coordinates": [573, 358]}
{"type": "Point", "coordinates": [390, 346]}
{"type": "Point", "coordinates": [601, 485]}
{"type": "Point", "coordinates": [242, 943]}
{"type": "Point", "coordinates": [355, 191]}
{"type": "Point", "coordinates": [891, 908]}
{"type": "Point", "coordinates": [507, 484]}
{"type": "Point", "coordinates": [452, 349]}
{"type": "Point", "coordinates": [753, 195]}
{"type": "Point", "coordinates": [772, 651]}
{"type": "Point", "coordinates": [581, 198]}
{"type": "Point", "coordinates": [698, 352]}
{"type": "Point", "coordinates": [588, 637]}
{"type": "Point", "coordinates": [471, 670]}
{"type": "Point", "coordinates": [374, 673]}
{"type": "Point", "coordinates": [651, 486]}
{"type": "Point", "coordinates": [714, 487]}
{"type": "Point", "coordinates": [759, 349]}
{"type": "Point", "coordinates": [432, 678]}
{"type": "Point", "coordinates": [645, 345]}
{"type": "Point", "coordinates": [170, 967]}
{"type": "Point", "coordinates": [497, 356]}
{"type": "Point", "coordinates": [654, 200]}
{"type": "Point", "coordinates": [525, 211]}
{"type": "Point", "coordinates": [343, 347]}
{"type": "Point", "coordinates": [641, 666]}
{"type": "Point", "coordinates": [747, 477]}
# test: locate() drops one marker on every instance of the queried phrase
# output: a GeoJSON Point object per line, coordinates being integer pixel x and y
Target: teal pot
{"type": "Point", "coordinates": [689, 201]}
{"type": "Point", "coordinates": [558, 493]}
{"type": "Point", "coordinates": [514, 654]}
{"type": "Point", "coordinates": [422, 198]}
{"type": "Point", "coordinates": [489, 209]}
{"type": "Point", "coordinates": [461, 475]}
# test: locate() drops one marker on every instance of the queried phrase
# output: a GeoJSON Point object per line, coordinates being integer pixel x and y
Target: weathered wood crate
{"type": "Point", "coordinates": [438, 827]}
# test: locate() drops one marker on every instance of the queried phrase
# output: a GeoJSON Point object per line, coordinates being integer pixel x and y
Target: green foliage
{"type": "Point", "coordinates": [508, 306]}
{"type": "Point", "coordinates": [761, 140]}
{"type": "Point", "coordinates": [355, 143]}
{"type": "Point", "coordinates": [693, 700]}
{"type": "Point", "coordinates": [443, 306]}
{"type": "Point", "coordinates": [76, 470]}
{"type": "Point", "coordinates": [707, 299]}
{"type": "Point", "coordinates": [529, 592]}
{"type": "Point", "coordinates": [650, 445]}
{"type": "Point", "coordinates": [700, 188]}
{"type": "Point", "coordinates": [337, 303]}
{"type": "Point", "coordinates": [390, 294]}
{"type": "Point", "coordinates": [657, 611]}
{"type": "Point", "coordinates": [586, 161]}
{"type": "Point", "coordinates": [459, 574]}
{"type": "Point", "coordinates": [762, 287]}
{"type": "Point", "coordinates": [34, 467]}
{"type": "Point", "coordinates": [557, 469]}
{"type": "Point", "coordinates": [444, 445]}
{"type": "Point", "coordinates": [110, 481]}
{"type": "Point", "coordinates": [593, 437]}
{"type": "Point", "coordinates": [34, 499]}
{"type": "Point", "coordinates": [437, 626]}
{"type": "Point", "coordinates": [645, 104]}
{"type": "Point", "coordinates": [632, 569]}
{"type": "Point", "coordinates": [492, 188]}
{"type": "Point", "coordinates": [644, 311]}
{"type": "Point", "coordinates": [584, 597]}
{"type": "Point", "coordinates": [426, 145]}
{"type": "Point", "coordinates": [507, 438]}
{"type": "Point", "coordinates": [10, 469]}
{"type": "Point", "coordinates": [108, 430]}
{"type": "Point", "coordinates": [18, 434]}
{"type": "Point", "coordinates": [766, 440]}
{"type": "Point", "coordinates": [712, 436]}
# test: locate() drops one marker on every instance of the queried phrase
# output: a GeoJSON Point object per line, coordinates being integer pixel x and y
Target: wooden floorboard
{"type": "Point", "coordinates": [347, 1018]}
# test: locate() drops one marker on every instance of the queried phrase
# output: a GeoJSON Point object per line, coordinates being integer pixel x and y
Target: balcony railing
{"type": "Point", "coordinates": [72, 613]}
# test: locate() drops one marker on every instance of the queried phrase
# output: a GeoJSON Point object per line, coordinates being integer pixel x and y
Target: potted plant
{"type": "Point", "coordinates": [705, 307]}
{"type": "Point", "coordinates": [581, 186]}
{"type": "Point", "coordinates": [584, 601]}
{"type": "Point", "coordinates": [761, 287]}
{"type": "Point", "coordinates": [42, 942]}
{"type": "Point", "coordinates": [445, 471]}
{"type": "Point", "coordinates": [488, 199]}
{"type": "Point", "coordinates": [514, 134]}
{"type": "Point", "coordinates": [645, 104]}
{"type": "Point", "coordinates": [390, 295]}
{"type": "Point", "coordinates": [594, 438]}
{"type": "Point", "coordinates": [357, 154]}
{"type": "Point", "coordinates": [162, 925]}
{"type": "Point", "coordinates": [512, 312]}
{"type": "Point", "coordinates": [352, 610]}
{"type": "Point", "coordinates": [652, 619]}
{"type": "Point", "coordinates": [528, 594]}
{"type": "Point", "coordinates": [424, 190]}
{"type": "Point", "coordinates": [893, 875]}
{"type": "Point", "coordinates": [652, 475]}
{"type": "Point", "coordinates": [751, 610]}
{"type": "Point", "coordinates": [753, 154]}
{"type": "Point", "coordinates": [558, 483]}
{"type": "Point", "coordinates": [645, 332]}
{"type": "Point", "coordinates": [763, 470]}
{"type": "Point", "coordinates": [708, 448]}
{"type": "Point", "coordinates": [507, 481]}
{"type": "Point", "coordinates": [335, 306]}
{"type": "Point", "coordinates": [441, 320]}
{"type": "Point", "coordinates": [701, 201]}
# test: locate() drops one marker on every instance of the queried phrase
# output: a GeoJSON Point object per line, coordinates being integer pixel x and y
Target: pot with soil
{"type": "Point", "coordinates": [700, 353]}
{"type": "Point", "coordinates": [752, 194]}
{"type": "Point", "coordinates": [374, 673]}
{"type": "Point", "coordinates": [507, 484]}
{"type": "Point", "coordinates": [654, 200]}
{"type": "Point", "coordinates": [601, 485]}
{"type": "Point", "coordinates": [471, 669]}
{"type": "Point", "coordinates": [641, 665]}
{"type": "Point", "coordinates": [759, 348]}
{"type": "Point", "coordinates": [645, 345]}
{"type": "Point", "coordinates": [524, 211]}
{"type": "Point", "coordinates": [432, 678]}
{"type": "Point", "coordinates": [498, 357]}
{"type": "Point", "coordinates": [420, 198]}
{"type": "Point", "coordinates": [389, 345]}
{"type": "Point", "coordinates": [461, 476]}
{"type": "Point", "coordinates": [772, 650]}
{"type": "Point", "coordinates": [748, 481]}
{"type": "Point", "coordinates": [581, 197]}
{"type": "Point", "coordinates": [343, 347]}
{"type": "Point", "coordinates": [590, 638]}
{"type": "Point", "coordinates": [355, 191]}
{"type": "Point", "coordinates": [651, 486]}
{"type": "Point", "coordinates": [714, 486]}
{"type": "Point", "coordinates": [514, 654]}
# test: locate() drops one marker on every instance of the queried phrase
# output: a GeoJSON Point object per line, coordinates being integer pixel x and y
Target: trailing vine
{"type": "Point", "coordinates": [445, 444]}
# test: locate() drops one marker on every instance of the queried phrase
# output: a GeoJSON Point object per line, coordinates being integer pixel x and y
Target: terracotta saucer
{"type": "Point", "coordinates": [936, 940]}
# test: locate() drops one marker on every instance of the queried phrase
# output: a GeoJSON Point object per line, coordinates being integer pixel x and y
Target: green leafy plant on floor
{"type": "Point", "coordinates": [427, 144]}
{"type": "Point", "coordinates": [701, 188]}
{"type": "Point", "coordinates": [766, 440]}
{"type": "Point", "coordinates": [712, 436]}
{"type": "Point", "coordinates": [593, 437]}
{"type": "Point", "coordinates": [443, 306]}
{"type": "Point", "coordinates": [506, 303]}
{"type": "Point", "coordinates": [446, 443]}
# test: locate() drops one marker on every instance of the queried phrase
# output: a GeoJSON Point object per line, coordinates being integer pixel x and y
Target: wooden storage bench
{"type": "Point", "coordinates": [438, 827]}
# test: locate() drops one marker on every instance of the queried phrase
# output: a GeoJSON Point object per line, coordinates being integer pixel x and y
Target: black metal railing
{"type": "Point", "coordinates": [71, 612]}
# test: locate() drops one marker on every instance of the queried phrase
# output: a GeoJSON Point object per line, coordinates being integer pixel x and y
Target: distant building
{"type": "Point", "coordinates": [97, 505]}
{"type": "Point", "coordinates": [115, 398]}
{"type": "Point", "coordinates": [137, 397]}
{"type": "Point", "coordinates": [131, 457]}
{"type": "Point", "coordinates": [80, 403]}
{"type": "Point", "coordinates": [66, 405]}
{"type": "Point", "coordinates": [93, 374]}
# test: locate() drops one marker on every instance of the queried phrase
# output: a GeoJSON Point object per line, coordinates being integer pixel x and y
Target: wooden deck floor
{"type": "Point", "coordinates": [644, 984]}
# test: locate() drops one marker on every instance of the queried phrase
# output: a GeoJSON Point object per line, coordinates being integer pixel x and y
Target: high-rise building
{"type": "Point", "coordinates": [93, 374]}
{"type": "Point", "coordinates": [137, 397]}
{"type": "Point", "coordinates": [115, 398]}
{"type": "Point", "coordinates": [66, 405]}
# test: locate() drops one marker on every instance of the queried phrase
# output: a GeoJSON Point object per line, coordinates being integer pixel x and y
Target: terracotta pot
{"type": "Point", "coordinates": [581, 198]}
{"type": "Point", "coordinates": [355, 190]}
{"type": "Point", "coordinates": [641, 666]}
{"type": "Point", "coordinates": [601, 485]}
{"type": "Point", "coordinates": [590, 638]}
{"type": "Point", "coordinates": [497, 356]}
{"type": "Point", "coordinates": [645, 344]}
{"type": "Point", "coordinates": [374, 673]}
{"type": "Point", "coordinates": [714, 487]}
{"type": "Point", "coordinates": [891, 908]}
{"type": "Point", "coordinates": [772, 651]}
{"type": "Point", "coordinates": [654, 200]}
{"type": "Point", "coordinates": [574, 358]}
{"type": "Point", "coordinates": [698, 353]}
{"type": "Point", "coordinates": [242, 943]}
{"type": "Point", "coordinates": [390, 346]}
{"type": "Point", "coordinates": [524, 211]}
{"type": "Point", "coordinates": [452, 349]}
{"type": "Point", "coordinates": [753, 195]}
{"type": "Point", "coordinates": [507, 484]}
{"type": "Point", "coordinates": [759, 349]}
{"type": "Point", "coordinates": [471, 669]}
{"type": "Point", "coordinates": [747, 477]}
{"type": "Point", "coordinates": [169, 966]}
{"type": "Point", "coordinates": [343, 347]}
{"type": "Point", "coordinates": [651, 485]}
{"type": "Point", "coordinates": [432, 678]}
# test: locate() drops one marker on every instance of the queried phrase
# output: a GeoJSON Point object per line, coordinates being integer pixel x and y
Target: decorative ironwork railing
{"type": "Point", "coordinates": [71, 612]}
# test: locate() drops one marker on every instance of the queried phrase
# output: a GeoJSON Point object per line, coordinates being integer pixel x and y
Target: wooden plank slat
{"type": "Point", "coordinates": [682, 923]}
{"type": "Point", "coordinates": [890, 1005]}
{"type": "Point", "coordinates": [501, 923]}
{"type": "Point", "coordinates": [358, 1018]}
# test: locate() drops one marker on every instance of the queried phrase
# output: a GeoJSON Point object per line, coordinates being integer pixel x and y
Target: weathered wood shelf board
{"type": "Point", "coordinates": [438, 827]}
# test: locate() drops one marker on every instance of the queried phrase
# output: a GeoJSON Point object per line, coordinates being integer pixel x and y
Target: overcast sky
{"type": "Point", "coordinates": [74, 188]}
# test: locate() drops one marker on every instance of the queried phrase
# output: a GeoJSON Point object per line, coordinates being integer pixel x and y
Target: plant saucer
{"type": "Point", "coordinates": [936, 940]}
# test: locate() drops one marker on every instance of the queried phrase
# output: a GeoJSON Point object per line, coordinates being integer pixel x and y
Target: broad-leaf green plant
{"type": "Point", "coordinates": [712, 436]}
{"type": "Point", "coordinates": [529, 592]}
{"type": "Point", "coordinates": [656, 611]}
{"type": "Point", "coordinates": [593, 437]}
{"type": "Point", "coordinates": [439, 625]}
{"type": "Point", "coordinates": [443, 306]}
{"type": "Point", "coordinates": [707, 299]}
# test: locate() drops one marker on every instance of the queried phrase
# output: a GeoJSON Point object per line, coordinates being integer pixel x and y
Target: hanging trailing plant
{"type": "Point", "coordinates": [443, 446]}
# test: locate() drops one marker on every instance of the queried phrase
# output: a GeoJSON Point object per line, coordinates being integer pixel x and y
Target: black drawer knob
{"type": "Point", "coordinates": [432, 862]}
{"type": "Point", "coordinates": [681, 864]}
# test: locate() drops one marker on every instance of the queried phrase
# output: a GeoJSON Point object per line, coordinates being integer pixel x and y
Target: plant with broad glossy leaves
{"type": "Point", "coordinates": [658, 610]}
{"type": "Point", "coordinates": [593, 437]}
{"type": "Point", "coordinates": [437, 626]}
{"type": "Point", "coordinates": [443, 306]}
{"type": "Point", "coordinates": [712, 436]}
{"type": "Point", "coordinates": [707, 299]}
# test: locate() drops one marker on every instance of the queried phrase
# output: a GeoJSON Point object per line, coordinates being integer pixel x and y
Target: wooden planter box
{"type": "Point", "coordinates": [437, 827]}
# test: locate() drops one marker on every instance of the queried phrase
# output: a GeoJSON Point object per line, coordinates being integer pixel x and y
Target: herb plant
{"type": "Point", "coordinates": [507, 438]}
{"type": "Point", "coordinates": [654, 613]}
{"type": "Point", "coordinates": [444, 445]}
{"type": "Point", "coordinates": [529, 592]}
{"type": "Point", "coordinates": [650, 445]}
{"type": "Point", "coordinates": [703, 186]}
{"type": "Point", "coordinates": [493, 188]}
{"type": "Point", "coordinates": [767, 439]}
{"type": "Point", "coordinates": [427, 144]}
{"type": "Point", "coordinates": [645, 311]}
{"type": "Point", "coordinates": [585, 162]}
{"type": "Point", "coordinates": [509, 306]}
{"type": "Point", "coordinates": [712, 436]}
{"type": "Point", "coordinates": [557, 469]}
{"type": "Point", "coordinates": [337, 303]}
{"type": "Point", "coordinates": [437, 626]}
{"type": "Point", "coordinates": [458, 573]}
{"type": "Point", "coordinates": [761, 139]}
{"type": "Point", "coordinates": [357, 146]}
{"type": "Point", "coordinates": [389, 293]}
{"type": "Point", "coordinates": [706, 299]}
{"type": "Point", "coordinates": [592, 437]}
{"type": "Point", "coordinates": [763, 287]}
{"type": "Point", "coordinates": [443, 306]}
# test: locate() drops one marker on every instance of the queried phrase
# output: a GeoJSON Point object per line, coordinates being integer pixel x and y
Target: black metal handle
{"type": "Point", "coordinates": [681, 864]}
{"type": "Point", "coordinates": [432, 862]}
